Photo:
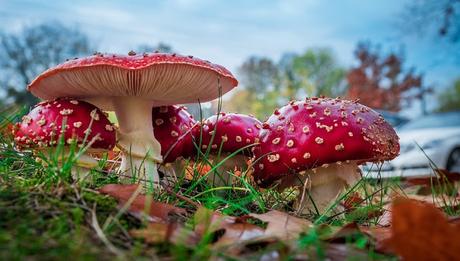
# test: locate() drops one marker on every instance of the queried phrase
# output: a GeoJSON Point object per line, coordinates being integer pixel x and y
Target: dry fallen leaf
{"type": "Point", "coordinates": [439, 201]}
{"type": "Point", "coordinates": [283, 225]}
{"type": "Point", "coordinates": [239, 232]}
{"type": "Point", "coordinates": [421, 231]}
{"type": "Point", "coordinates": [442, 177]}
{"type": "Point", "coordinates": [174, 233]}
{"type": "Point", "coordinates": [142, 206]}
{"type": "Point", "coordinates": [196, 168]}
{"type": "Point", "coordinates": [208, 221]}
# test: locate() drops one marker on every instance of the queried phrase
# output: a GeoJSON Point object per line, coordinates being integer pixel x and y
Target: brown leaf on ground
{"type": "Point", "coordinates": [342, 233]}
{"type": "Point", "coordinates": [421, 231]}
{"type": "Point", "coordinates": [228, 230]}
{"type": "Point", "coordinates": [352, 201]}
{"type": "Point", "coordinates": [174, 233]}
{"type": "Point", "coordinates": [442, 176]}
{"type": "Point", "coordinates": [239, 232]}
{"type": "Point", "coordinates": [283, 225]}
{"type": "Point", "coordinates": [142, 206]}
{"type": "Point", "coordinates": [208, 221]}
{"type": "Point", "coordinates": [194, 169]}
{"type": "Point", "coordinates": [439, 201]}
{"type": "Point", "coordinates": [343, 252]}
{"type": "Point", "coordinates": [378, 236]}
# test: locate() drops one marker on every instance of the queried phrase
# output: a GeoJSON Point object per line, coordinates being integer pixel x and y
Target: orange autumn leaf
{"type": "Point", "coordinates": [192, 169]}
{"type": "Point", "coordinates": [141, 206]}
{"type": "Point", "coordinates": [421, 231]}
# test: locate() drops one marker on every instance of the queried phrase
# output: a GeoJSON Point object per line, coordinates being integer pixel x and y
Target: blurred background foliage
{"type": "Point", "coordinates": [378, 78]}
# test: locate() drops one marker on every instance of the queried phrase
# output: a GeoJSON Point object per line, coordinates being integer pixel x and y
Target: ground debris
{"type": "Point", "coordinates": [142, 206]}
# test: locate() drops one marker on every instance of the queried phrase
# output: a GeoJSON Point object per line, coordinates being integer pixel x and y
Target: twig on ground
{"type": "Point", "coordinates": [101, 235]}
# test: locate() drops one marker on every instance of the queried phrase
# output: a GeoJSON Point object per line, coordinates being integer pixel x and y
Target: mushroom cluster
{"type": "Point", "coordinates": [67, 123]}
{"type": "Point", "coordinates": [318, 144]}
{"type": "Point", "coordinates": [131, 85]}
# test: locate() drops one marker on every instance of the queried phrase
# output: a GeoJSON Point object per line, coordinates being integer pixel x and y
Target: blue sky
{"type": "Point", "coordinates": [227, 32]}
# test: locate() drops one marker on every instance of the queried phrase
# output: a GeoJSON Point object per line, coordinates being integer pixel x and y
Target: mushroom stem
{"type": "Point", "coordinates": [222, 175]}
{"type": "Point", "coordinates": [82, 165]}
{"type": "Point", "coordinates": [141, 151]}
{"type": "Point", "coordinates": [322, 186]}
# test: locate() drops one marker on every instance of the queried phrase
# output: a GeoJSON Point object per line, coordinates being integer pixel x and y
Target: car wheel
{"type": "Point", "coordinates": [453, 163]}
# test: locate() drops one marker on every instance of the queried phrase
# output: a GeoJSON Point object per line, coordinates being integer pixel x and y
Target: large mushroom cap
{"type": "Point", "coordinates": [44, 124]}
{"type": "Point", "coordinates": [164, 79]}
{"type": "Point", "coordinates": [234, 131]}
{"type": "Point", "coordinates": [307, 134]}
{"type": "Point", "coordinates": [173, 128]}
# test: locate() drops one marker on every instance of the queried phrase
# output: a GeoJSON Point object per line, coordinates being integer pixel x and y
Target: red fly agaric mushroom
{"type": "Point", "coordinates": [131, 85]}
{"type": "Point", "coordinates": [225, 134]}
{"type": "Point", "coordinates": [72, 121]}
{"type": "Point", "coordinates": [173, 127]}
{"type": "Point", "coordinates": [323, 140]}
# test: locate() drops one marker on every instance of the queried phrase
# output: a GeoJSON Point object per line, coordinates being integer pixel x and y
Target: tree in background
{"type": "Point", "coordinates": [26, 54]}
{"type": "Point", "coordinates": [259, 77]}
{"type": "Point", "coordinates": [318, 73]}
{"type": "Point", "coordinates": [267, 84]}
{"type": "Point", "coordinates": [381, 82]}
{"type": "Point", "coordinates": [449, 99]}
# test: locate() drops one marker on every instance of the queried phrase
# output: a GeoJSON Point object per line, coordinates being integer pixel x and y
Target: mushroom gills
{"type": "Point", "coordinates": [322, 186]}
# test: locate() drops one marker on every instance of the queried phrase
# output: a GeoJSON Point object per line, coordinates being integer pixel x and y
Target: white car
{"type": "Point", "coordinates": [427, 143]}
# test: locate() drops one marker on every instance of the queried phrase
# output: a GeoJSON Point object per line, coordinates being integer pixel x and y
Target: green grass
{"type": "Point", "coordinates": [45, 214]}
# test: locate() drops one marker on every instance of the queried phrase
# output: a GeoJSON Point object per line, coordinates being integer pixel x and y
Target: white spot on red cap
{"type": "Point", "coordinates": [273, 157]}
{"type": "Point", "coordinates": [158, 122]}
{"type": "Point", "coordinates": [319, 140]}
{"type": "Point", "coordinates": [94, 115]}
{"type": "Point", "coordinates": [276, 140]}
{"type": "Point", "coordinates": [26, 119]}
{"type": "Point", "coordinates": [108, 127]}
{"type": "Point", "coordinates": [339, 147]}
{"type": "Point", "coordinates": [42, 121]}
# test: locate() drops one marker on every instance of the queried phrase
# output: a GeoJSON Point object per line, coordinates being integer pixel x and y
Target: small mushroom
{"type": "Point", "coordinates": [172, 126]}
{"type": "Point", "coordinates": [72, 121]}
{"type": "Point", "coordinates": [225, 134]}
{"type": "Point", "coordinates": [317, 144]}
{"type": "Point", "coordinates": [131, 85]}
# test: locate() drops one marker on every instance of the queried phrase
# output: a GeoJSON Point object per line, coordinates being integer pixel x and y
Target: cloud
{"type": "Point", "coordinates": [227, 32]}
